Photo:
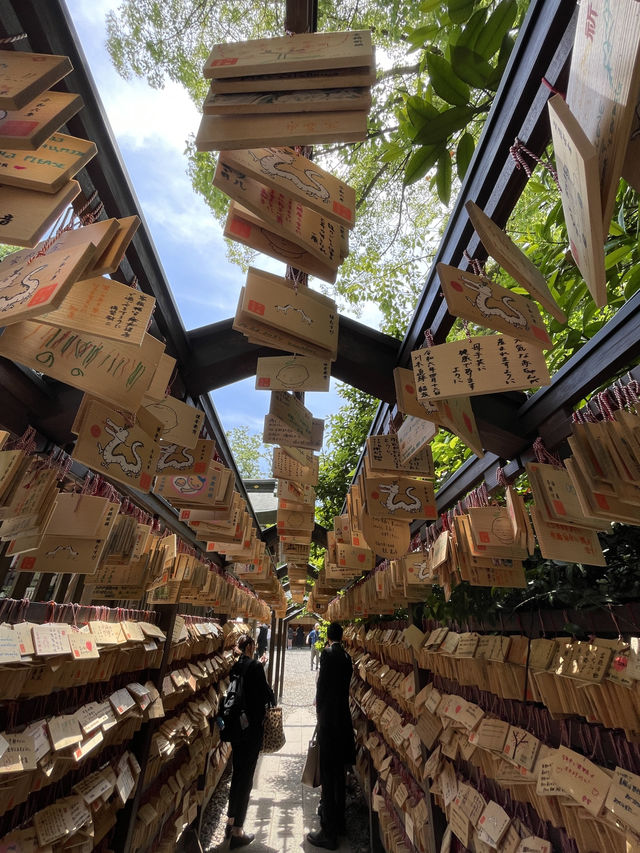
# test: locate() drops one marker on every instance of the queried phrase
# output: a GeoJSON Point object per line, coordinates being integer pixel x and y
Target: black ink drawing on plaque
{"type": "Point", "coordinates": [19, 290]}
{"type": "Point", "coordinates": [504, 307]}
{"type": "Point", "coordinates": [286, 308]}
{"type": "Point", "coordinates": [117, 450]}
{"type": "Point", "coordinates": [293, 375]}
{"type": "Point", "coordinates": [277, 164]}
{"type": "Point", "coordinates": [173, 456]}
{"type": "Point", "coordinates": [392, 490]}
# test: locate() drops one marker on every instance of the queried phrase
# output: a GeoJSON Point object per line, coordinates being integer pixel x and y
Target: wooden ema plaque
{"type": "Point", "coordinates": [479, 300]}
{"type": "Point", "coordinates": [24, 76]}
{"type": "Point", "coordinates": [277, 432]}
{"type": "Point", "coordinates": [285, 54]}
{"type": "Point", "coordinates": [282, 213]}
{"type": "Point", "coordinates": [386, 536]}
{"type": "Point", "coordinates": [577, 165]}
{"type": "Point", "coordinates": [104, 307]}
{"type": "Point", "coordinates": [298, 101]}
{"type": "Point", "coordinates": [362, 76]}
{"type": "Point", "coordinates": [109, 443]}
{"type": "Point", "coordinates": [217, 133]}
{"type": "Point", "coordinates": [31, 125]}
{"type": "Point", "coordinates": [287, 468]}
{"type": "Point", "coordinates": [502, 248]}
{"type": "Point", "coordinates": [479, 365]}
{"type": "Point", "coordinates": [292, 413]}
{"type": "Point", "coordinates": [285, 373]}
{"type": "Point", "coordinates": [37, 285]}
{"type": "Point", "coordinates": [58, 554]}
{"type": "Point", "coordinates": [99, 233]}
{"type": "Point", "coordinates": [383, 456]}
{"type": "Point", "coordinates": [404, 498]}
{"type": "Point", "coordinates": [121, 372]}
{"type": "Point", "coordinates": [181, 423]}
{"type": "Point", "coordinates": [157, 390]}
{"type": "Point", "coordinates": [110, 259]}
{"type": "Point", "coordinates": [414, 436]}
{"type": "Point", "coordinates": [247, 228]}
{"type": "Point", "coordinates": [457, 416]}
{"type": "Point", "coordinates": [25, 214]}
{"type": "Point", "coordinates": [302, 313]}
{"type": "Point", "coordinates": [47, 168]}
{"type": "Point", "coordinates": [406, 399]}
{"type": "Point", "coordinates": [284, 170]}
{"type": "Point", "coordinates": [603, 86]}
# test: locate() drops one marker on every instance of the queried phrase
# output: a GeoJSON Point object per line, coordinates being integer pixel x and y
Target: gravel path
{"type": "Point", "coordinates": [282, 811]}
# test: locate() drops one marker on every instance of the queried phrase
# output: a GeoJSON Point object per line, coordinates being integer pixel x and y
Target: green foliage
{"type": "Point", "coordinates": [252, 459]}
{"type": "Point", "coordinates": [346, 432]}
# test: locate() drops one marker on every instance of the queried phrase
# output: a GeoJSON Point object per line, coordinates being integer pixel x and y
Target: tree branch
{"type": "Point", "coordinates": [398, 71]}
{"type": "Point", "coordinates": [370, 185]}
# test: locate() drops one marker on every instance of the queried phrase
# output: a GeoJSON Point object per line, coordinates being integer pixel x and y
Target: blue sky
{"type": "Point", "coordinates": [188, 240]}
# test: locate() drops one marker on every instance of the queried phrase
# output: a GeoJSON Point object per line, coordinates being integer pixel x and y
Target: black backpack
{"type": "Point", "coordinates": [235, 722]}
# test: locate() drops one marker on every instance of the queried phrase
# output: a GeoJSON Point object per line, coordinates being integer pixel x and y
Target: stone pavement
{"type": "Point", "coordinates": [282, 810]}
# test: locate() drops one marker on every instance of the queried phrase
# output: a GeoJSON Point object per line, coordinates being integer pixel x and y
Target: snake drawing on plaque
{"type": "Point", "coordinates": [502, 306]}
{"type": "Point", "coordinates": [279, 164]}
{"type": "Point", "coordinates": [392, 491]}
{"type": "Point", "coordinates": [118, 452]}
{"type": "Point", "coordinates": [62, 550]}
{"type": "Point", "coordinates": [174, 456]}
{"type": "Point", "coordinates": [284, 309]}
{"type": "Point", "coordinates": [19, 290]}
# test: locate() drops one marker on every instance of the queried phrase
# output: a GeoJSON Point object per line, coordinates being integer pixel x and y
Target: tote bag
{"type": "Point", "coordinates": [311, 772]}
{"type": "Point", "coordinates": [273, 738]}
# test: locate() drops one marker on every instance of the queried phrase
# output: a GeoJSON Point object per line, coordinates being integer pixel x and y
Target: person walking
{"type": "Point", "coordinates": [336, 744]}
{"type": "Point", "coordinates": [256, 695]}
{"type": "Point", "coordinates": [299, 638]}
{"type": "Point", "coordinates": [261, 650]}
{"type": "Point", "coordinates": [312, 639]}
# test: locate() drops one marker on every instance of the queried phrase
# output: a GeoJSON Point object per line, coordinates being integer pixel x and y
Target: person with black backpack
{"type": "Point", "coordinates": [243, 713]}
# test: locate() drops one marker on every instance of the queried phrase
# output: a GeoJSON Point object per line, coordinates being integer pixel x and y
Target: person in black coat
{"type": "Point", "coordinates": [246, 748]}
{"type": "Point", "coordinates": [336, 745]}
{"type": "Point", "coordinates": [263, 632]}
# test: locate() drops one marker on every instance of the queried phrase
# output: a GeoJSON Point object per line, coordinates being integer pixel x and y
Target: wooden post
{"type": "Point", "coordinates": [283, 644]}
{"type": "Point", "coordinates": [272, 645]}
{"type": "Point", "coordinates": [276, 671]}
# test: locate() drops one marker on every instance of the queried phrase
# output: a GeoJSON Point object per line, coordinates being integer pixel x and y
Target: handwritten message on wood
{"type": "Point", "coordinates": [576, 162]}
{"type": "Point", "coordinates": [119, 372]}
{"type": "Point", "coordinates": [414, 436]}
{"type": "Point", "coordinates": [25, 75]}
{"type": "Point", "coordinates": [406, 399]}
{"type": "Point", "coordinates": [245, 227]}
{"type": "Point", "coordinates": [29, 126]}
{"type": "Point", "coordinates": [479, 300]}
{"type": "Point", "coordinates": [277, 432]}
{"type": "Point", "coordinates": [383, 456]}
{"type": "Point", "coordinates": [478, 365]}
{"type": "Point", "coordinates": [302, 101]}
{"type": "Point", "coordinates": [49, 167]}
{"type": "Point", "coordinates": [603, 85]}
{"type": "Point", "coordinates": [104, 307]}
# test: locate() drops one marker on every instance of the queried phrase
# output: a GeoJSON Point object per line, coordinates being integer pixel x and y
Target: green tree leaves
{"type": "Point", "coordinates": [445, 83]}
{"type": "Point", "coordinates": [464, 153]}
{"type": "Point", "coordinates": [420, 162]}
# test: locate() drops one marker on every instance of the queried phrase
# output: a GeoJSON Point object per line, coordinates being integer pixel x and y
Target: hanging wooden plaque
{"type": "Point", "coordinates": [99, 233]}
{"type": "Point", "coordinates": [292, 493]}
{"type": "Point", "coordinates": [283, 170]}
{"type": "Point", "coordinates": [49, 167]}
{"type": "Point", "coordinates": [414, 436]}
{"type": "Point", "coordinates": [264, 335]}
{"type": "Point", "coordinates": [31, 125]}
{"type": "Point", "coordinates": [403, 498]}
{"type": "Point", "coordinates": [603, 86]}
{"type": "Point", "coordinates": [287, 468]}
{"type": "Point", "coordinates": [577, 165]}
{"type": "Point", "coordinates": [281, 212]}
{"type": "Point", "coordinates": [406, 399]}
{"type": "Point", "coordinates": [300, 101]}
{"type": "Point", "coordinates": [292, 413]}
{"type": "Point", "coordinates": [284, 373]}
{"type": "Point", "coordinates": [119, 372]}
{"type": "Point", "coordinates": [25, 214]}
{"type": "Point", "coordinates": [181, 422]}
{"type": "Point", "coordinates": [217, 133]}
{"type": "Point", "coordinates": [479, 300]}
{"type": "Point", "coordinates": [383, 456]}
{"type": "Point", "coordinates": [109, 443]}
{"type": "Point", "coordinates": [38, 285]}
{"type": "Point", "coordinates": [245, 227]}
{"type": "Point", "coordinates": [285, 54]}
{"type": "Point", "coordinates": [176, 459]}
{"type": "Point", "coordinates": [502, 248]}
{"type": "Point", "coordinates": [567, 542]}
{"type": "Point", "coordinates": [188, 490]}
{"type": "Point", "coordinates": [339, 77]}
{"type": "Point", "coordinates": [25, 75]}
{"type": "Point", "coordinates": [60, 554]}
{"type": "Point", "coordinates": [457, 416]}
{"type": "Point", "coordinates": [479, 365]}
{"type": "Point", "coordinates": [161, 380]}
{"type": "Point", "coordinates": [301, 313]}
{"type": "Point", "coordinates": [304, 457]}
{"type": "Point", "coordinates": [277, 432]}
{"type": "Point", "coordinates": [104, 307]}
{"type": "Point", "coordinates": [111, 257]}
